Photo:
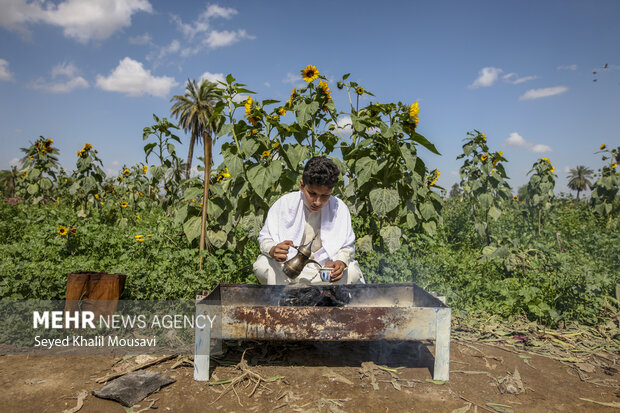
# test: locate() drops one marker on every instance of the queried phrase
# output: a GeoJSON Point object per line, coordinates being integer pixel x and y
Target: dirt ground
{"type": "Point", "coordinates": [327, 377]}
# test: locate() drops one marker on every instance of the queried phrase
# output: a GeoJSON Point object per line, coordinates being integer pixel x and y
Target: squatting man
{"type": "Point", "coordinates": [296, 218]}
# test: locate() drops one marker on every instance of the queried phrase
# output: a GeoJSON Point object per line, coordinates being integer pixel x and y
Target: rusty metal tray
{"type": "Point", "coordinates": [372, 312]}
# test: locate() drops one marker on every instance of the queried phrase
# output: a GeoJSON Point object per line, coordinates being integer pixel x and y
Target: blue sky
{"type": "Point", "coordinates": [522, 72]}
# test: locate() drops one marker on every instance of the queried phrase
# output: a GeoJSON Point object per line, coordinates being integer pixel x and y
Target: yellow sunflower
{"type": "Point", "coordinates": [614, 165]}
{"type": "Point", "coordinates": [326, 91]}
{"type": "Point", "coordinates": [80, 153]}
{"type": "Point", "coordinates": [62, 231]}
{"type": "Point", "coordinates": [603, 146]}
{"type": "Point", "coordinates": [483, 136]}
{"type": "Point", "coordinates": [248, 105]}
{"type": "Point", "coordinates": [545, 159]}
{"type": "Point", "coordinates": [282, 111]}
{"type": "Point", "coordinates": [97, 197]}
{"type": "Point", "coordinates": [500, 153]}
{"type": "Point", "coordinates": [49, 142]}
{"type": "Point", "coordinates": [144, 169]}
{"type": "Point", "coordinates": [124, 204]}
{"type": "Point", "coordinates": [310, 73]}
{"type": "Point", "coordinates": [515, 198]}
{"type": "Point", "coordinates": [552, 168]}
{"type": "Point", "coordinates": [226, 173]}
{"type": "Point", "coordinates": [266, 154]}
{"type": "Point", "coordinates": [87, 146]}
{"type": "Point", "coordinates": [126, 171]}
{"type": "Point", "coordinates": [293, 93]}
{"type": "Point", "coordinates": [495, 161]}
{"type": "Point", "coordinates": [414, 109]}
{"type": "Point", "coordinates": [484, 157]}
{"type": "Point", "coordinates": [359, 90]}
{"type": "Point", "coordinates": [275, 145]}
{"type": "Point", "coordinates": [139, 238]}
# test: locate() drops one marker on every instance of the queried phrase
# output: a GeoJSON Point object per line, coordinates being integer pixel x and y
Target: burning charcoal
{"type": "Point", "coordinates": [315, 296]}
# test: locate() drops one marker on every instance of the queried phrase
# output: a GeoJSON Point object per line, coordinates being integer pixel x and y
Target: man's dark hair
{"type": "Point", "coordinates": [321, 171]}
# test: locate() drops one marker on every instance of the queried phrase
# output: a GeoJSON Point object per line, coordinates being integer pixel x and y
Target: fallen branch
{"type": "Point", "coordinates": [139, 367]}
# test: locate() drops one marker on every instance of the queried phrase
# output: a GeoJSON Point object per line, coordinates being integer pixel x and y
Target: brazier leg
{"type": "Point", "coordinates": [442, 345]}
{"type": "Point", "coordinates": [202, 346]}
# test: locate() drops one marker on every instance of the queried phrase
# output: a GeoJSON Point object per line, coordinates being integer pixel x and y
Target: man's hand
{"type": "Point", "coordinates": [338, 270]}
{"type": "Point", "coordinates": [280, 251]}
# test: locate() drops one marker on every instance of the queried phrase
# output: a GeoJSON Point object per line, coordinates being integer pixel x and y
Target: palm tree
{"type": "Point", "coordinates": [8, 179]}
{"type": "Point", "coordinates": [579, 179]}
{"type": "Point", "coordinates": [196, 113]}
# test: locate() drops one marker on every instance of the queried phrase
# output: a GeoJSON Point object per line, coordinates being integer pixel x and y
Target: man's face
{"type": "Point", "coordinates": [315, 197]}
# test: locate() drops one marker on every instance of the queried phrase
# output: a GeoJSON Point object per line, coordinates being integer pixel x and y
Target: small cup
{"type": "Point", "coordinates": [326, 274]}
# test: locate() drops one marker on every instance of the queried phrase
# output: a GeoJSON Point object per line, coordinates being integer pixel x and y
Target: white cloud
{"type": "Point", "coordinates": [515, 79]}
{"type": "Point", "coordinates": [163, 51]}
{"type": "Point", "coordinates": [267, 84]}
{"type": "Point", "coordinates": [567, 67]}
{"type": "Point", "coordinates": [224, 38]}
{"type": "Point", "coordinates": [14, 162]}
{"type": "Point", "coordinates": [202, 24]}
{"type": "Point", "coordinates": [566, 169]}
{"type": "Point", "coordinates": [116, 163]}
{"type": "Point", "coordinates": [539, 148]}
{"type": "Point", "coordinates": [83, 20]}
{"type": "Point", "coordinates": [344, 125]}
{"type": "Point", "coordinates": [5, 74]}
{"type": "Point", "coordinates": [131, 78]}
{"type": "Point", "coordinates": [64, 70]}
{"type": "Point", "coordinates": [486, 77]}
{"type": "Point", "coordinates": [454, 173]}
{"type": "Point", "coordinates": [213, 77]}
{"type": "Point", "coordinates": [294, 80]}
{"type": "Point", "coordinates": [140, 40]}
{"type": "Point", "coordinates": [516, 140]}
{"type": "Point", "coordinates": [542, 93]}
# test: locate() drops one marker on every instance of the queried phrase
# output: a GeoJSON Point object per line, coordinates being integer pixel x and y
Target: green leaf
{"type": "Point", "coordinates": [33, 174]}
{"type": "Point", "coordinates": [364, 244]}
{"type": "Point", "coordinates": [191, 228]}
{"type": "Point", "coordinates": [502, 408]}
{"type": "Point", "coordinates": [383, 200]}
{"type": "Point", "coordinates": [429, 227]}
{"type": "Point", "coordinates": [33, 189]}
{"type": "Point", "coordinates": [424, 142]}
{"type": "Point", "coordinates": [481, 228]}
{"type": "Point", "coordinates": [249, 146]}
{"type": "Point", "coordinates": [252, 224]}
{"type": "Point", "coordinates": [494, 213]}
{"type": "Point", "coordinates": [391, 237]}
{"type": "Point", "coordinates": [363, 169]}
{"type": "Point", "coordinates": [234, 165]}
{"type": "Point", "coordinates": [230, 79]}
{"type": "Point", "coordinates": [408, 155]}
{"type": "Point", "coordinates": [427, 209]}
{"type": "Point", "coordinates": [217, 238]}
{"type": "Point", "coordinates": [262, 177]}
{"type": "Point", "coordinates": [45, 183]}
{"type": "Point", "coordinates": [296, 154]}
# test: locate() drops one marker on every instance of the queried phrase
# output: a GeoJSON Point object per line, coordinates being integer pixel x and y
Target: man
{"type": "Point", "coordinates": [296, 218]}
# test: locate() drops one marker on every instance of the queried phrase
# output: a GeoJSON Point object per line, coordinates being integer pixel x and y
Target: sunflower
{"type": "Point", "coordinates": [225, 173]}
{"type": "Point", "coordinates": [436, 172]}
{"type": "Point", "coordinates": [32, 158]}
{"type": "Point", "coordinates": [484, 157]}
{"type": "Point", "coordinates": [515, 198]}
{"type": "Point", "coordinates": [87, 146]}
{"type": "Point", "coordinates": [492, 171]}
{"type": "Point", "coordinates": [545, 159]}
{"type": "Point", "coordinates": [254, 131]}
{"type": "Point", "coordinates": [495, 161]}
{"type": "Point", "coordinates": [483, 136]}
{"type": "Point", "coordinates": [97, 197]}
{"type": "Point", "coordinates": [248, 105]}
{"type": "Point", "coordinates": [139, 238]}
{"type": "Point", "coordinates": [603, 146]}
{"type": "Point", "coordinates": [266, 154]}
{"type": "Point", "coordinates": [253, 121]}
{"type": "Point", "coordinates": [614, 165]}
{"type": "Point", "coordinates": [282, 111]}
{"type": "Point", "coordinates": [126, 171]}
{"type": "Point", "coordinates": [144, 169]}
{"type": "Point", "coordinates": [62, 231]}
{"type": "Point", "coordinates": [138, 216]}
{"type": "Point", "coordinates": [326, 91]}
{"type": "Point", "coordinates": [359, 90]}
{"type": "Point", "coordinates": [552, 168]}
{"type": "Point", "coordinates": [48, 142]}
{"type": "Point", "coordinates": [310, 73]}
{"type": "Point", "coordinates": [414, 109]}
{"type": "Point", "coordinates": [500, 153]}
{"type": "Point", "coordinates": [124, 204]}
{"type": "Point", "coordinates": [80, 153]}
{"type": "Point", "coordinates": [275, 145]}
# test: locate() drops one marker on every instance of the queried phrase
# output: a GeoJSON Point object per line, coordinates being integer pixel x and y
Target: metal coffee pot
{"type": "Point", "coordinates": [293, 267]}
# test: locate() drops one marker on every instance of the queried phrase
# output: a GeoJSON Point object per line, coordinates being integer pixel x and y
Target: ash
{"type": "Point", "coordinates": [315, 296]}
